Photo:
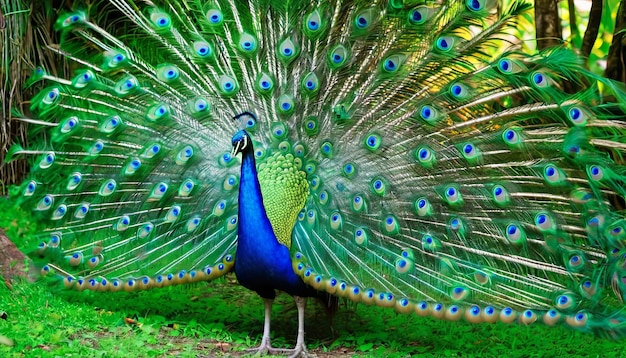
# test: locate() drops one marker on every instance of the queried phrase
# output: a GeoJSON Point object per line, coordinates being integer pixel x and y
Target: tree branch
{"type": "Point", "coordinates": [573, 25]}
{"type": "Point", "coordinates": [616, 60]}
{"type": "Point", "coordinates": [593, 27]}
{"type": "Point", "coordinates": [547, 23]}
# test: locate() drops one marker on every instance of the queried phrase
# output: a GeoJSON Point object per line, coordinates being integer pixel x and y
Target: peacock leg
{"type": "Point", "coordinates": [300, 348]}
{"type": "Point", "coordinates": [266, 346]}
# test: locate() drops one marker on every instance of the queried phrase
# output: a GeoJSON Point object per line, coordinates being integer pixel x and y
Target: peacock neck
{"type": "Point", "coordinates": [254, 229]}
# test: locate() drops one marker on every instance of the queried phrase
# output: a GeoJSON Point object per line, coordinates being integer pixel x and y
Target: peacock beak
{"type": "Point", "coordinates": [235, 150]}
{"type": "Point", "coordinates": [240, 142]}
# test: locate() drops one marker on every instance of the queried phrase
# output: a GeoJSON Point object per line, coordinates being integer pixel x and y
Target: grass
{"type": "Point", "coordinates": [223, 319]}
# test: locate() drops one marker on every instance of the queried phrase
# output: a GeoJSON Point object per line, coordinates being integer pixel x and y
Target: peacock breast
{"type": "Point", "coordinates": [284, 189]}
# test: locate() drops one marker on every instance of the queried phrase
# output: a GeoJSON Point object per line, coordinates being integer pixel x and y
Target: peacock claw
{"type": "Point", "coordinates": [300, 351]}
{"type": "Point", "coordinates": [266, 348]}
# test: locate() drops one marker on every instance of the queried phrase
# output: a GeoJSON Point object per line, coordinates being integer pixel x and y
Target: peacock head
{"type": "Point", "coordinates": [241, 142]}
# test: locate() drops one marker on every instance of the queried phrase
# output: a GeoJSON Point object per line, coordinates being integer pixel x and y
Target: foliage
{"type": "Point", "coordinates": [597, 58]}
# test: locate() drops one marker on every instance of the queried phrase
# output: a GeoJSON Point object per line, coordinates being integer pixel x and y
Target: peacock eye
{"type": "Point", "coordinates": [202, 49]}
{"type": "Point", "coordinates": [373, 142]}
{"type": "Point", "coordinates": [247, 44]}
{"type": "Point", "coordinates": [285, 104]}
{"type": "Point", "coordinates": [214, 16]}
{"type": "Point", "coordinates": [310, 83]}
{"type": "Point", "coordinates": [227, 85]}
{"type": "Point", "coordinates": [168, 73]}
{"type": "Point", "coordinates": [338, 56]}
{"type": "Point", "coordinates": [364, 19]}
{"type": "Point", "coordinates": [540, 79]}
{"type": "Point", "coordinates": [444, 43]}
{"type": "Point", "coordinates": [475, 5]}
{"type": "Point", "coordinates": [313, 24]}
{"type": "Point", "coordinates": [420, 14]}
{"type": "Point", "coordinates": [390, 65]}
{"type": "Point", "coordinates": [287, 49]}
{"type": "Point", "coordinates": [393, 63]}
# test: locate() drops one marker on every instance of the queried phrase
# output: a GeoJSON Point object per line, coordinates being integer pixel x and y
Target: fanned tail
{"type": "Point", "coordinates": [450, 174]}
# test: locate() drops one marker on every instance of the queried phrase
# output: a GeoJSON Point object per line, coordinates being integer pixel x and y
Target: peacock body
{"type": "Point", "coordinates": [400, 153]}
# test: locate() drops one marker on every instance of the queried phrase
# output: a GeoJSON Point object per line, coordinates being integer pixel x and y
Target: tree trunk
{"type": "Point", "coordinates": [593, 27]}
{"type": "Point", "coordinates": [547, 23]}
{"type": "Point", "coordinates": [616, 61]}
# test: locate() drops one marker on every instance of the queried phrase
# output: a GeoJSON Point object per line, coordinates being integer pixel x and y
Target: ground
{"type": "Point", "coordinates": [223, 319]}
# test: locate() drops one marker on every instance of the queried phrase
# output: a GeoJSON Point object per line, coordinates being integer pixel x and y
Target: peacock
{"type": "Point", "coordinates": [404, 154]}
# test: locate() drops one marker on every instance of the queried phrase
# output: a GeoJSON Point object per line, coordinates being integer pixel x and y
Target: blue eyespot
{"type": "Point", "coordinates": [509, 134]}
{"type": "Point", "coordinates": [505, 65]}
{"type": "Point", "coordinates": [420, 14]}
{"type": "Point", "coordinates": [214, 16]}
{"type": "Point", "coordinates": [444, 43]}
{"type": "Point", "coordinates": [416, 16]}
{"type": "Point", "coordinates": [474, 5]}
{"type": "Point", "coordinates": [540, 80]}
{"type": "Point", "coordinates": [361, 22]}
{"type": "Point", "coordinates": [247, 43]}
{"type": "Point", "coordinates": [390, 65]}
{"type": "Point", "coordinates": [313, 24]}
{"type": "Point", "coordinates": [338, 56]}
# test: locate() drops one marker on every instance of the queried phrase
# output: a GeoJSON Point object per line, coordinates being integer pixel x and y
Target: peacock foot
{"type": "Point", "coordinates": [266, 348]}
{"type": "Point", "coordinates": [299, 351]}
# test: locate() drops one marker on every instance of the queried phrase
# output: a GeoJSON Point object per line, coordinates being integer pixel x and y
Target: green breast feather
{"type": "Point", "coordinates": [285, 189]}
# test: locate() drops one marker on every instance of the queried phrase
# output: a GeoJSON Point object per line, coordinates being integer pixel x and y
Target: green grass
{"type": "Point", "coordinates": [223, 319]}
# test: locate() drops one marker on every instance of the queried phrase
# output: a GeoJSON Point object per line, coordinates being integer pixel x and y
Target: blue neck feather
{"type": "Point", "coordinates": [254, 226]}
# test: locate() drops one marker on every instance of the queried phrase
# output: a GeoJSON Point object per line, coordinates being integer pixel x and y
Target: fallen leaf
{"type": "Point", "coordinates": [44, 347]}
{"type": "Point", "coordinates": [224, 347]}
{"type": "Point", "coordinates": [6, 341]}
